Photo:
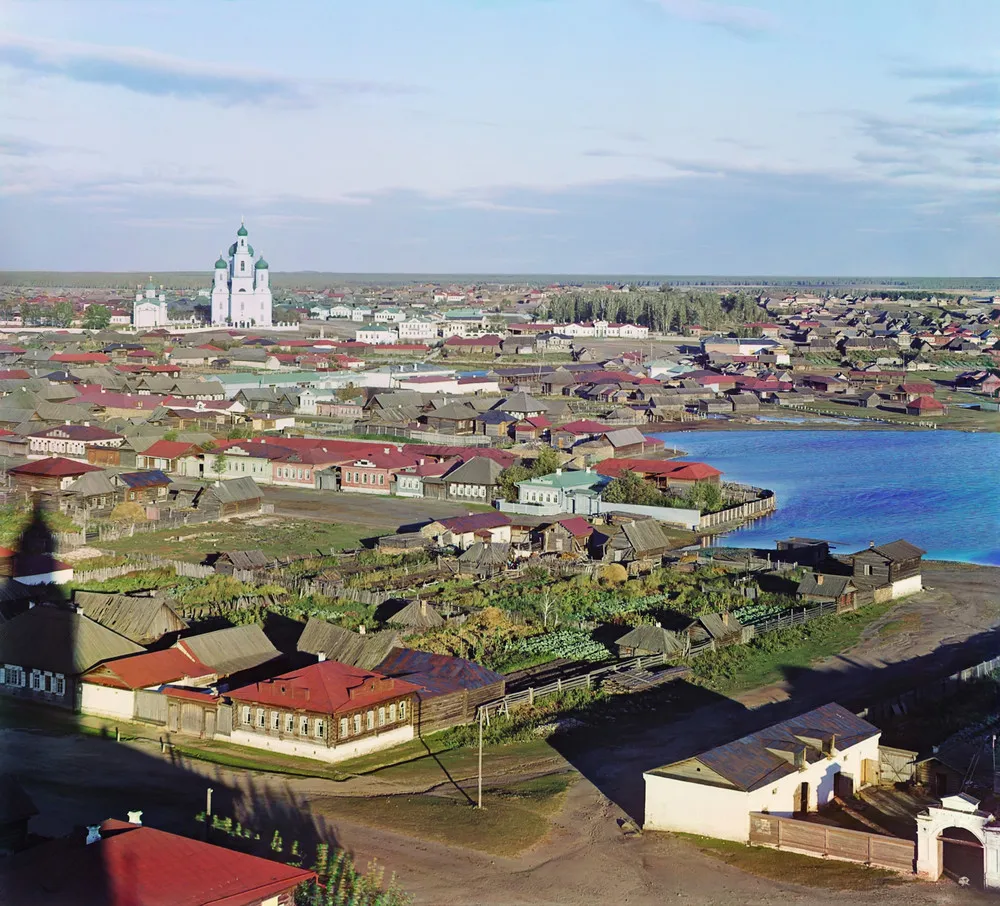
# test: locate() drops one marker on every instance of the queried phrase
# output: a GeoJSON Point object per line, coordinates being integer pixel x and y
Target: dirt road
{"type": "Point", "coordinates": [584, 859]}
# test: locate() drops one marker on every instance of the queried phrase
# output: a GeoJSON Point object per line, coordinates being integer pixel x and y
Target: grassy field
{"type": "Point", "coordinates": [792, 868]}
{"type": "Point", "coordinates": [772, 657]}
{"type": "Point", "coordinates": [277, 537]}
{"type": "Point", "coordinates": [513, 818]}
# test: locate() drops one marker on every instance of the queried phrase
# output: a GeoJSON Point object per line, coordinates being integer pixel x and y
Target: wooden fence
{"type": "Point", "coordinates": [582, 681]}
{"type": "Point", "coordinates": [140, 562]}
{"type": "Point", "coordinates": [814, 839]}
{"type": "Point", "coordinates": [794, 617]}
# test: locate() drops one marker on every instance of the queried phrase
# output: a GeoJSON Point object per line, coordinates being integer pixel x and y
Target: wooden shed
{"type": "Point", "coordinates": [230, 561]}
{"type": "Point", "coordinates": [144, 619]}
{"type": "Point", "coordinates": [450, 688]}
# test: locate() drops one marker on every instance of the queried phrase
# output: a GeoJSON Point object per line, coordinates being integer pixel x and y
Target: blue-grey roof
{"type": "Point", "coordinates": [436, 674]}
{"type": "Point", "coordinates": [147, 479]}
{"type": "Point", "coordinates": [750, 763]}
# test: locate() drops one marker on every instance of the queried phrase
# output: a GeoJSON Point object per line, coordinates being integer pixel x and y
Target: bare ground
{"type": "Point", "coordinates": [585, 858]}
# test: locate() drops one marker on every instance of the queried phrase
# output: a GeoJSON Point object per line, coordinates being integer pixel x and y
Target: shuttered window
{"type": "Point", "coordinates": [371, 720]}
{"type": "Point", "coordinates": [357, 723]}
{"type": "Point", "coordinates": [343, 728]}
{"type": "Point", "coordinates": [260, 718]}
{"type": "Point", "coordinates": [392, 713]}
{"type": "Point", "coordinates": [303, 726]}
{"type": "Point", "coordinates": [381, 717]}
{"type": "Point", "coordinates": [60, 684]}
{"type": "Point", "coordinates": [320, 728]}
{"type": "Point", "coordinates": [289, 723]}
{"type": "Point", "coordinates": [246, 716]}
{"type": "Point", "coordinates": [402, 710]}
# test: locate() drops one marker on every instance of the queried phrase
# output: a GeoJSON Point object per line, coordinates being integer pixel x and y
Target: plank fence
{"type": "Point", "coordinates": [813, 839]}
{"type": "Point", "coordinates": [141, 562]}
{"type": "Point", "coordinates": [794, 617]}
{"type": "Point", "coordinates": [586, 680]}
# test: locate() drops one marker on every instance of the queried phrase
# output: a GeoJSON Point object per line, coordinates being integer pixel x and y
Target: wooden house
{"type": "Point", "coordinates": [55, 473]}
{"type": "Point", "coordinates": [412, 616]}
{"type": "Point", "coordinates": [230, 561]}
{"type": "Point", "coordinates": [358, 649]}
{"type": "Point", "coordinates": [449, 689]}
{"type": "Point", "coordinates": [44, 651]}
{"type": "Point", "coordinates": [328, 711]}
{"type": "Point", "coordinates": [895, 566]}
{"type": "Point", "coordinates": [647, 640]}
{"type": "Point", "coordinates": [820, 588]}
{"type": "Point", "coordinates": [143, 619]}
{"type": "Point", "coordinates": [570, 535]}
{"type": "Point", "coordinates": [452, 418]}
{"type": "Point", "coordinates": [476, 479]}
{"type": "Point", "coordinates": [235, 496]}
{"type": "Point", "coordinates": [150, 486]}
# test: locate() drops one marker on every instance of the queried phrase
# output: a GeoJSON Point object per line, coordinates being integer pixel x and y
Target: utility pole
{"type": "Point", "coordinates": [479, 803]}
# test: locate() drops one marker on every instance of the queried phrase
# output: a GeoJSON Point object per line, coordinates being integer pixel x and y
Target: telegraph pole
{"type": "Point", "coordinates": [479, 803]}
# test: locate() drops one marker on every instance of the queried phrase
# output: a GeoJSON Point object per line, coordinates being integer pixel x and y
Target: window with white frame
{"type": "Point", "coordinates": [402, 710]}
{"type": "Point", "coordinates": [260, 718]}
{"type": "Point", "coordinates": [245, 717]}
{"type": "Point", "coordinates": [275, 720]}
{"type": "Point", "coordinates": [289, 723]}
{"type": "Point", "coordinates": [303, 726]}
{"type": "Point", "coordinates": [392, 713]}
{"type": "Point", "coordinates": [357, 724]}
{"type": "Point", "coordinates": [59, 685]}
{"type": "Point", "coordinates": [36, 680]}
{"type": "Point", "coordinates": [371, 720]}
{"type": "Point", "coordinates": [343, 728]}
{"type": "Point", "coordinates": [320, 728]}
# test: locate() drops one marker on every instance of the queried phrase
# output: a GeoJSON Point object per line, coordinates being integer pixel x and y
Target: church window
{"type": "Point", "coordinates": [243, 266]}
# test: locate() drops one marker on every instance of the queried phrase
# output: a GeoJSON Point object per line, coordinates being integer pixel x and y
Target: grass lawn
{"type": "Point", "coordinates": [771, 657]}
{"type": "Point", "coordinates": [512, 819]}
{"type": "Point", "coordinates": [275, 536]}
{"type": "Point", "coordinates": [792, 868]}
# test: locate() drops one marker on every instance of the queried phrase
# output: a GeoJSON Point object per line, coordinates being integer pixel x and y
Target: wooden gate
{"type": "Point", "coordinates": [224, 720]}
{"type": "Point", "coordinates": [150, 707]}
{"type": "Point", "coordinates": [192, 720]}
{"type": "Point", "coordinates": [895, 765]}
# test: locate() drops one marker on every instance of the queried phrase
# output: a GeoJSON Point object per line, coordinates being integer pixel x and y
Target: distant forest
{"type": "Point", "coordinates": [126, 282]}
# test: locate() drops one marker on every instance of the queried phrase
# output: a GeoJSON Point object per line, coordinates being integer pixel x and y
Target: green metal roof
{"type": "Point", "coordinates": [242, 231]}
{"type": "Point", "coordinates": [261, 265]}
{"type": "Point", "coordinates": [576, 479]}
{"type": "Point", "coordinates": [221, 263]}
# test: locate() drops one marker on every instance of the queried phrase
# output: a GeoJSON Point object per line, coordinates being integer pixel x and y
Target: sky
{"type": "Point", "coordinates": [828, 137]}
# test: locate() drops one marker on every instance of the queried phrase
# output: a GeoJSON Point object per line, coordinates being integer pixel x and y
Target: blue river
{"type": "Point", "coordinates": [937, 489]}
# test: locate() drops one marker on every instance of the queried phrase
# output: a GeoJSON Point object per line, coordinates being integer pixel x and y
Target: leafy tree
{"type": "Point", "coordinates": [706, 497]}
{"type": "Point", "coordinates": [508, 482]}
{"type": "Point", "coordinates": [630, 488]}
{"type": "Point", "coordinates": [62, 314]}
{"type": "Point", "coordinates": [545, 463]}
{"type": "Point", "coordinates": [96, 317]}
{"type": "Point", "coordinates": [219, 464]}
{"type": "Point", "coordinates": [170, 435]}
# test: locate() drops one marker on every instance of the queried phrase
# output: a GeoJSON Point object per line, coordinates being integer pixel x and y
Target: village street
{"type": "Point", "coordinates": [585, 858]}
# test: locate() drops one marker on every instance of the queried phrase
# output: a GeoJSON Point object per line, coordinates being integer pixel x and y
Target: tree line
{"type": "Point", "coordinates": [664, 311]}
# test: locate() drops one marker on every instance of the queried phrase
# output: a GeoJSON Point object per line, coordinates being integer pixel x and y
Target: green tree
{"type": "Point", "coordinates": [170, 435]}
{"type": "Point", "coordinates": [545, 463]}
{"type": "Point", "coordinates": [96, 317]}
{"type": "Point", "coordinates": [219, 464]}
{"type": "Point", "coordinates": [62, 314]}
{"type": "Point", "coordinates": [508, 482]}
{"type": "Point", "coordinates": [706, 497]}
{"type": "Point", "coordinates": [630, 488]}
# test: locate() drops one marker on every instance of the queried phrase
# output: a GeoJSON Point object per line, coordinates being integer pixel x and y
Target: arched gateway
{"type": "Point", "coordinates": [959, 838]}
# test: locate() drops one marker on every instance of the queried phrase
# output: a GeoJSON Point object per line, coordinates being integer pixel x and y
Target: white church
{"type": "Point", "coordinates": [149, 310]}
{"type": "Point", "coordinates": [241, 296]}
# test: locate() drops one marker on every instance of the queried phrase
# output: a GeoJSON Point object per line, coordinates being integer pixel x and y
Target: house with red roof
{"type": "Point", "coordinates": [464, 531]}
{"type": "Point", "coordinates": [664, 474]}
{"type": "Point", "coordinates": [570, 535]}
{"type": "Point", "coordinates": [56, 473]}
{"type": "Point", "coordinates": [572, 433]}
{"type": "Point", "coordinates": [108, 690]}
{"type": "Point", "coordinates": [924, 406]}
{"type": "Point", "coordinates": [80, 358]}
{"type": "Point", "coordinates": [328, 711]}
{"type": "Point", "coordinates": [164, 454]}
{"type": "Point", "coordinates": [123, 863]}
{"type": "Point", "coordinates": [375, 472]}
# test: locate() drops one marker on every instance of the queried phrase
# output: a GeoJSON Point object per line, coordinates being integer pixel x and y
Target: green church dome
{"type": "Point", "coordinates": [221, 263]}
{"type": "Point", "coordinates": [261, 264]}
{"type": "Point", "coordinates": [242, 231]}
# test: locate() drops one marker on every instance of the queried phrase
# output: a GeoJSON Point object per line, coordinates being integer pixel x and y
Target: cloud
{"type": "Point", "coordinates": [484, 205]}
{"type": "Point", "coordinates": [977, 87]}
{"type": "Point", "coordinates": [741, 21]}
{"type": "Point", "coordinates": [14, 146]}
{"type": "Point", "coordinates": [162, 75]}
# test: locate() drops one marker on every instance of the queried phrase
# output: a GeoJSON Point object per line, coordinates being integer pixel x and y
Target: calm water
{"type": "Point", "coordinates": [937, 489]}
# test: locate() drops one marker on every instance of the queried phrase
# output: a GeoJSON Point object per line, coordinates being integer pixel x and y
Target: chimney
{"type": "Point", "coordinates": [800, 759]}
{"type": "Point", "coordinates": [558, 471]}
{"type": "Point", "coordinates": [832, 745]}
{"type": "Point", "coordinates": [135, 817]}
{"type": "Point", "coordinates": [361, 629]}
{"type": "Point", "coordinates": [66, 422]}
{"type": "Point", "coordinates": [93, 833]}
{"type": "Point", "coordinates": [871, 545]}
{"type": "Point", "coordinates": [423, 608]}
{"type": "Point", "coordinates": [321, 656]}
{"type": "Point", "coordinates": [819, 578]}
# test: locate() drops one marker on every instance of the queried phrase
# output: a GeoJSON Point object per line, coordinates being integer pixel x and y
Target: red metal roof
{"type": "Point", "coordinates": [54, 467]}
{"type": "Point", "coordinates": [925, 402]}
{"type": "Point", "coordinates": [133, 864]}
{"type": "Point", "coordinates": [80, 358]}
{"type": "Point", "coordinates": [154, 668]}
{"type": "Point", "coordinates": [585, 426]}
{"type": "Point", "coordinates": [327, 687]}
{"type": "Point", "coordinates": [684, 471]}
{"type": "Point", "coordinates": [577, 526]}
{"type": "Point", "coordinates": [169, 449]}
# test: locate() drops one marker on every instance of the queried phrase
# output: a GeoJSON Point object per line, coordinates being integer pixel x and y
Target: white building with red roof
{"type": "Point", "coordinates": [328, 710]}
